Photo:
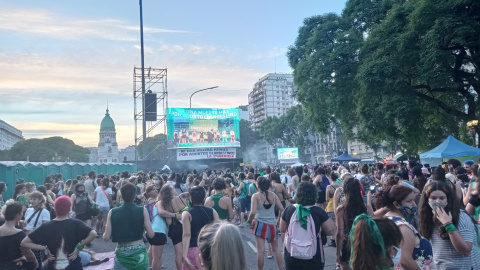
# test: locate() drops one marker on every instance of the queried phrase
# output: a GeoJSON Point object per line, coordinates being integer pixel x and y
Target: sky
{"type": "Point", "coordinates": [62, 61]}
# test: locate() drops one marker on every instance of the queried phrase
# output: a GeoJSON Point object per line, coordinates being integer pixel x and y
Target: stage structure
{"type": "Point", "coordinates": [150, 106]}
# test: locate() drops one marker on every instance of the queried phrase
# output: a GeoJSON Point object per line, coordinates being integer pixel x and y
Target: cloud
{"type": "Point", "coordinates": [45, 23]}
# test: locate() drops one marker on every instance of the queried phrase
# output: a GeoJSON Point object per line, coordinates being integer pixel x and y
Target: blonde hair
{"type": "Point", "coordinates": [38, 195]}
{"type": "Point", "coordinates": [221, 247]}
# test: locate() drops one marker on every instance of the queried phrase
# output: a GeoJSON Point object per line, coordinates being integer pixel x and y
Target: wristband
{"type": "Point", "coordinates": [450, 228]}
{"type": "Point", "coordinates": [446, 223]}
{"type": "Point", "coordinates": [80, 247]}
{"type": "Point", "coordinates": [474, 200]}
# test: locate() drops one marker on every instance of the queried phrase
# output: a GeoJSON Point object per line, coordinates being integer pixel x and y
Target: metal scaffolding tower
{"type": "Point", "coordinates": [155, 83]}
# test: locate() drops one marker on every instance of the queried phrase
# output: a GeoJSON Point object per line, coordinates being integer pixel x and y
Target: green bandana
{"type": "Point", "coordinates": [302, 214]}
{"type": "Point", "coordinates": [374, 233]}
{"type": "Point", "coordinates": [137, 260]}
{"type": "Point", "coordinates": [339, 181]}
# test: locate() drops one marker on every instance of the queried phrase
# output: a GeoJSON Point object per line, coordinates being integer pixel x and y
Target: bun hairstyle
{"type": "Point", "coordinates": [392, 180]}
{"type": "Point", "coordinates": [462, 174]}
{"type": "Point", "coordinates": [386, 197]}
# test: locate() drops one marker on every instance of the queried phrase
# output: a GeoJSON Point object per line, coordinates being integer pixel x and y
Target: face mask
{"type": "Point", "coordinates": [436, 205]}
{"type": "Point", "coordinates": [156, 182]}
{"type": "Point", "coordinates": [396, 259]}
{"type": "Point", "coordinates": [411, 211]}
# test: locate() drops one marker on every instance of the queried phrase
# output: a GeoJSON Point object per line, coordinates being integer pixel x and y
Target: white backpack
{"type": "Point", "coordinates": [301, 243]}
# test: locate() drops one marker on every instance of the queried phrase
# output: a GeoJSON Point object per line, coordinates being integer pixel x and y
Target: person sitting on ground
{"type": "Point", "coordinates": [125, 226]}
{"type": "Point", "coordinates": [220, 246]}
{"type": "Point", "coordinates": [89, 258]}
{"type": "Point", "coordinates": [63, 237]}
{"type": "Point", "coordinates": [13, 256]}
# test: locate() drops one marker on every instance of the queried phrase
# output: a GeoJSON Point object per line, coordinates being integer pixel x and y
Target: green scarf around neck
{"type": "Point", "coordinates": [302, 214]}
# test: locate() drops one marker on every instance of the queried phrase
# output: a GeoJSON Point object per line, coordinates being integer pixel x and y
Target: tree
{"type": "Point", "coordinates": [248, 138]}
{"type": "Point", "coordinates": [404, 72]}
{"type": "Point", "coordinates": [48, 149]}
{"type": "Point", "coordinates": [155, 148]}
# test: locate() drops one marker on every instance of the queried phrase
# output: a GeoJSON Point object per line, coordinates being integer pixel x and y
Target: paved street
{"type": "Point", "coordinates": [249, 244]}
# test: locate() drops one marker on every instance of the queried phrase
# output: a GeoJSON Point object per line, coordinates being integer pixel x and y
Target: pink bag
{"type": "Point", "coordinates": [301, 243]}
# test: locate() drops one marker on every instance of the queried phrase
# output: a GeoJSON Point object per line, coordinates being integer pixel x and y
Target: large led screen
{"type": "Point", "coordinates": [189, 128]}
{"type": "Point", "coordinates": [287, 153]}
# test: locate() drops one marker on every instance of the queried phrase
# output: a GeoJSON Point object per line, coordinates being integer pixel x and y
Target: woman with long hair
{"type": "Point", "coordinates": [159, 226]}
{"type": "Point", "coordinates": [171, 206]}
{"type": "Point", "coordinates": [103, 197]}
{"type": "Point", "coordinates": [221, 247]}
{"type": "Point", "coordinates": [81, 204]}
{"type": "Point", "coordinates": [19, 194]}
{"type": "Point", "coordinates": [450, 230]}
{"type": "Point", "coordinates": [345, 214]}
{"type": "Point", "coordinates": [329, 193]}
{"type": "Point", "coordinates": [400, 202]}
{"type": "Point", "coordinates": [279, 189]}
{"type": "Point", "coordinates": [245, 199]}
{"type": "Point", "coordinates": [375, 243]}
{"type": "Point", "coordinates": [264, 227]}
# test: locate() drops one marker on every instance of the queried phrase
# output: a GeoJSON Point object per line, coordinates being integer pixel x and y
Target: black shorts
{"type": "Point", "coordinates": [175, 231]}
{"type": "Point", "coordinates": [277, 211]}
{"type": "Point", "coordinates": [159, 239]}
{"type": "Point", "coordinates": [83, 217]}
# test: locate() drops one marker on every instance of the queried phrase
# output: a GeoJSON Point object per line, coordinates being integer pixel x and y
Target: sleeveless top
{"type": "Point", "coordinates": [81, 199]}
{"type": "Point", "coordinates": [127, 223]}
{"type": "Point", "coordinates": [266, 212]}
{"type": "Point", "coordinates": [158, 223]}
{"type": "Point", "coordinates": [222, 213]}
{"type": "Point", "coordinates": [330, 208]}
{"type": "Point", "coordinates": [423, 252]}
{"type": "Point", "coordinates": [201, 216]}
{"type": "Point", "coordinates": [244, 191]}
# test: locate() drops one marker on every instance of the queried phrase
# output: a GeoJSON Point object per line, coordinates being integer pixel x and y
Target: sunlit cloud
{"type": "Point", "coordinates": [45, 23]}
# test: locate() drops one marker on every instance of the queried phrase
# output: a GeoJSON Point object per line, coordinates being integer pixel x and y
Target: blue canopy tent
{"type": "Point", "coordinates": [345, 157]}
{"type": "Point", "coordinates": [450, 148]}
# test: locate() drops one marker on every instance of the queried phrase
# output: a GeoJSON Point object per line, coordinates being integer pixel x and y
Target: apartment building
{"type": "Point", "coordinates": [9, 135]}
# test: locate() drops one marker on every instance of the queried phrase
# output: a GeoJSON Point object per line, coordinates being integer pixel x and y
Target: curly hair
{"type": "Point", "coordinates": [392, 180]}
{"type": "Point", "coordinates": [306, 193]}
{"type": "Point", "coordinates": [219, 184]}
{"type": "Point", "coordinates": [354, 204]}
{"type": "Point", "coordinates": [166, 195]}
{"type": "Point", "coordinates": [425, 213]}
{"type": "Point", "coordinates": [38, 195]}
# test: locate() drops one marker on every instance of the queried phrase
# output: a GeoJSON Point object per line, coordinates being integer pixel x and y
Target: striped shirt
{"type": "Point", "coordinates": [446, 256]}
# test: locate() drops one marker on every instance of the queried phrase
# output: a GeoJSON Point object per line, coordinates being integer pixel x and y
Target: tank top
{"type": "Point", "coordinates": [158, 223]}
{"type": "Point", "coordinates": [330, 208]}
{"type": "Point", "coordinates": [222, 213]}
{"type": "Point", "coordinates": [266, 212]}
{"type": "Point", "coordinates": [127, 223]}
{"type": "Point", "coordinates": [201, 215]}
{"type": "Point", "coordinates": [244, 191]}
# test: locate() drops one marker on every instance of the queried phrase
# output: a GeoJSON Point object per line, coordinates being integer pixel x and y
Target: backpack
{"type": "Point", "coordinates": [149, 207]}
{"type": "Point", "coordinates": [301, 243]}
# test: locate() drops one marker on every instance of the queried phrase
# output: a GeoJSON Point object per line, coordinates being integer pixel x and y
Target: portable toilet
{"type": "Point", "coordinates": [66, 171]}
{"type": "Point", "coordinates": [77, 169]}
{"type": "Point", "coordinates": [36, 173]}
{"type": "Point", "coordinates": [95, 168]}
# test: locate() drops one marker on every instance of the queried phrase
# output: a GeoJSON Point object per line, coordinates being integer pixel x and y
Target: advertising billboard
{"type": "Point", "coordinates": [286, 155]}
{"type": "Point", "coordinates": [191, 128]}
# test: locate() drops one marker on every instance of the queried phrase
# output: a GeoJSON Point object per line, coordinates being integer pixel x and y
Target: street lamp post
{"type": "Point", "coordinates": [200, 91]}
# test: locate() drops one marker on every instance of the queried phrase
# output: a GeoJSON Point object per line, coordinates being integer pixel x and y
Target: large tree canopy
{"type": "Point", "coordinates": [47, 150]}
{"type": "Point", "coordinates": [405, 71]}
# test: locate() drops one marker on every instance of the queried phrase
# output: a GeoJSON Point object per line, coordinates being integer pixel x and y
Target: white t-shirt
{"type": "Point", "coordinates": [44, 216]}
{"type": "Point", "coordinates": [90, 186]}
{"type": "Point", "coordinates": [286, 177]}
{"type": "Point", "coordinates": [102, 200]}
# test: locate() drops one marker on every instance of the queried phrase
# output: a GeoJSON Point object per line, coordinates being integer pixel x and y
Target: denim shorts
{"type": "Point", "coordinates": [246, 204]}
{"type": "Point", "coordinates": [104, 210]}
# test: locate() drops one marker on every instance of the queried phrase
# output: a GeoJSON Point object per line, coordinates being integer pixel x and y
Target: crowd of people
{"type": "Point", "coordinates": [406, 216]}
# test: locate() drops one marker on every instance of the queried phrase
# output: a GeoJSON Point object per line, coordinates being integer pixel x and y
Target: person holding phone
{"type": "Point", "coordinates": [450, 230]}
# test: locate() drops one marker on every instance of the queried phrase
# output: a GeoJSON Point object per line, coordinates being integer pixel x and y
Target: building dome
{"type": "Point", "coordinates": [107, 123]}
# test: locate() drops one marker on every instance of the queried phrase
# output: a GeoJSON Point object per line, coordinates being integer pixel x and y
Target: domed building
{"type": "Point", "coordinates": [107, 151]}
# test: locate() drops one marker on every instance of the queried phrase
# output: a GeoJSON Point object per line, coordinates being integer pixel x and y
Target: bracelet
{"type": "Point", "coordinates": [450, 228]}
{"type": "Point", "coordinates": [80, 246]}
{"type": "Point", "coordinates": [446, 223]}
